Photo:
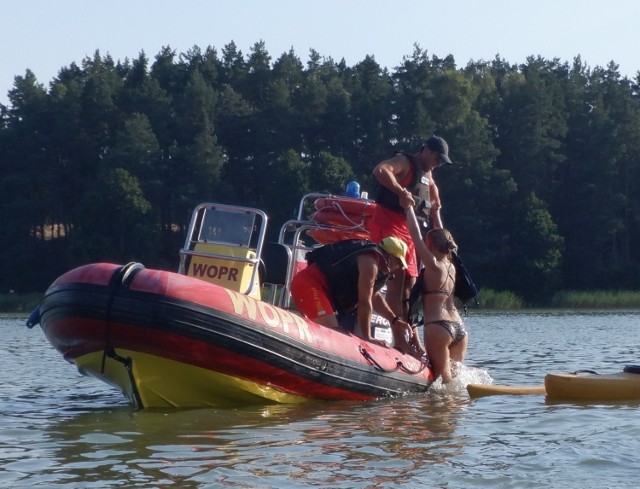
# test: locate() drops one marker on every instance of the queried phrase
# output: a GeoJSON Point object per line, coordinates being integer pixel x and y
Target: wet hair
{"type": "Point", "coordinates": [442, 240]}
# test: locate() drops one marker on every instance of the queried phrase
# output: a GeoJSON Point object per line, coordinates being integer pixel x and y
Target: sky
{"type": "Point", "coordinates": [47, 35]}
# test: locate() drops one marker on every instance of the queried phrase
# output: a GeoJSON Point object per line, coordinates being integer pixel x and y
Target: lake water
{"type": "Point", "coordinates": [59, 429]}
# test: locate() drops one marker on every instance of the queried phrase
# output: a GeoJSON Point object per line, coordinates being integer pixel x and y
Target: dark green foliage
{"type": "Point", "coordinates": [109, 161]}
{"type": "Point", "coordinates": [536, 252]}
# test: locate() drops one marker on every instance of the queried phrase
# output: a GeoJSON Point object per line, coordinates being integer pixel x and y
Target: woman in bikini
{"type": "Point", "coordinates": [444, 334]}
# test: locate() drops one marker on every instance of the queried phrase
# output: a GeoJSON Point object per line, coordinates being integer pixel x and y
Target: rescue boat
{"type": "Point", "coordinates": [221, 330]}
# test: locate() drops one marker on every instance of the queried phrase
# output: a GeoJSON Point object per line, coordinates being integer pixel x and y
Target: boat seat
{"type": "Point", "coordinates": [274, 263]}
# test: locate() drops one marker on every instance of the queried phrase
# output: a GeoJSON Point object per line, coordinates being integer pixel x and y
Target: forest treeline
{"type": "Point", "coordinates": [107, 162]}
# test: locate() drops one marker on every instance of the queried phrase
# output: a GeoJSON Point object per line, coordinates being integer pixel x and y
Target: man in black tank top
{"type": "Point", "coordinates": [406, 181]}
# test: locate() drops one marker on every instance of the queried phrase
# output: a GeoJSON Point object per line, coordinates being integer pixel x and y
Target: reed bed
{"type": "Point", "coordinates": [597, 299]}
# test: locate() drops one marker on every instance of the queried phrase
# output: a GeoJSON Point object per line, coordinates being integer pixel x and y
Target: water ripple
{"type": "Point", "coordinates": [59, 429]}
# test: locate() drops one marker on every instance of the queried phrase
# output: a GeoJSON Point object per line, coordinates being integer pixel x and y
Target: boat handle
{"type": "Point", "coordinates": [586, 371]}
{"type": "Point", "coordinates": [368, 356]}
{"type": "Point", "coordinates": [423, 365]}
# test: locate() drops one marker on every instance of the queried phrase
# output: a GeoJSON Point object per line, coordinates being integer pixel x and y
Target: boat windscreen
{"type": "Point", "coordinates": [221, 226]}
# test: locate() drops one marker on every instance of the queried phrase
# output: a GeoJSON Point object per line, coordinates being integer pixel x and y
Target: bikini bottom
{"type": "Point", "coordinates": [454, 328]}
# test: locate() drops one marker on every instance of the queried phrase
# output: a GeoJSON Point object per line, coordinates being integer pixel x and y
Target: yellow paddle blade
{"type": "Point", "coordinates": [481, 390]}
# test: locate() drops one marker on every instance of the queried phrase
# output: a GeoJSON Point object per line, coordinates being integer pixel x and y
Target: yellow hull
{"type": "Point", "coordinates": [161, 383]}
{"type": "Point", "coordinates": [585, 386]}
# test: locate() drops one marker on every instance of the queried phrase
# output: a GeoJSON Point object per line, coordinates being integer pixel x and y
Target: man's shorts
{"type": "Point", "coordinates": [385, 223]}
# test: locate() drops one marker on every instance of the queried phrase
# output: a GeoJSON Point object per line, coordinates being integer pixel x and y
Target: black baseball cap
{"type": "Point", "coordinates": [440, 146]}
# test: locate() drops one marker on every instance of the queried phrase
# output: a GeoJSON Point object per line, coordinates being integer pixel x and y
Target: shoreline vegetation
{"type": "Point", "coordinates": [128, 148]}
{"type": "Point", "coordinates": [567, 299]}
{"type": "Point", "coordinates": [488, 300]}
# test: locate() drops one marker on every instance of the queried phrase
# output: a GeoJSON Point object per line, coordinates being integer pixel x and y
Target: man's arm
{"type": "Point", "coordinates": [387, 173]}
{"type": "Point", "coordinates": [436, 204]}
{"type": "Point", "coordinates": [401, 328]}
{"type": "Point", "coordinates": [367, 271]}
{"type": "Point", "coordinates": [381, 307]}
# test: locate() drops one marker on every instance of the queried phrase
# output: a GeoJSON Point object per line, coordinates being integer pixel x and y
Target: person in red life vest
{"type": "Point", "coordinates": [405, 181]}
{"type": "Point", "coordinates": [345, 278]}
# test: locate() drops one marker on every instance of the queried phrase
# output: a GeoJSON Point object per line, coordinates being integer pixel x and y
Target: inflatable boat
{"type": "Point", "coordinates": [220, 331]}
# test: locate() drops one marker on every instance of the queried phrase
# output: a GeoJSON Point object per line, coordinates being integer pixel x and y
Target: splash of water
{"type": "Point", "coordinates": [463, 375]}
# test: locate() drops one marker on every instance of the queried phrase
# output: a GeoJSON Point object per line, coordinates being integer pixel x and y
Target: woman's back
{"type": "Point", "coordinates": [437, 296]}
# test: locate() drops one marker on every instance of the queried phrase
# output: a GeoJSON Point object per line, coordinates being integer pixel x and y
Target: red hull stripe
{"type": "Point", "coordinates": [88, 337]}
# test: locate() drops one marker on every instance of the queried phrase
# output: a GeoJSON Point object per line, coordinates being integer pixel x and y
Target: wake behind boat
{"type": "Point", "coordinates": [221, 331]}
